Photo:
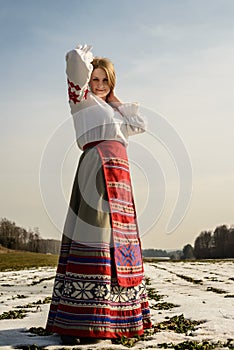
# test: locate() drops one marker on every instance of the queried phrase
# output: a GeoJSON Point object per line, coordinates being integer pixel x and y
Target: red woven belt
{"type": "Point", "coordinates": [91, 144]}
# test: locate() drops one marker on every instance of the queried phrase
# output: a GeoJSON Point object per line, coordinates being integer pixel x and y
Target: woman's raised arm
{"type": "Point", "coordinates": [79, 69]}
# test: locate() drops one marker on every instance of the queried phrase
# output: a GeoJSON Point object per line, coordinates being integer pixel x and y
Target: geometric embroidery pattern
{"type": "Point", "coordinates": [128, 258]}
{"type": "Point", "coordinates": [75, 92]}
{"type": "Point", "coordinates": [93, 304]}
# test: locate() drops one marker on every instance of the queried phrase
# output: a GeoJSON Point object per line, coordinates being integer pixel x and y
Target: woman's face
{"type": "Point", "coordinates": [99, 83]}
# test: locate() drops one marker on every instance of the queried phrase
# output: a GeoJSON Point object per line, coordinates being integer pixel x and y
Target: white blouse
{"type": "Point", "coordinates": [94, 119]}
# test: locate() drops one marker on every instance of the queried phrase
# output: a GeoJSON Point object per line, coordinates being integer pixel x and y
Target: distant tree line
{"type": "Point", "coordinates": [18, 238]}
{"type": "Point", "coordinates": [150, 253]}
{"type": "Point", "coordinates": [212, 245]}
{"type": "Point", "coordinates": [208, 245]}
{"type": "Point", "coordinates": [215, 245]}
{"type": "Point", "coordinates": [218, 244]}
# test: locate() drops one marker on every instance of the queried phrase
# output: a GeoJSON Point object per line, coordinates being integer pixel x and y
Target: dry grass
{"type": "Point", "coordinates": [16, 260]}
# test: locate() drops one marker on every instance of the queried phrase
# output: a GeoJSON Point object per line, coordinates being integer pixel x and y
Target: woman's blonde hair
{"type": "Point", "coordinates": [108, 67]}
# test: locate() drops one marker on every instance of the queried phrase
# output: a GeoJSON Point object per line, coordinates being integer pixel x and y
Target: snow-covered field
{"type": "Point", "coordinates": [203, 291]}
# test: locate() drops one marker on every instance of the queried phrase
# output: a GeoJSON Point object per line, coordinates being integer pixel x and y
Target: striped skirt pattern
{"type": "Point", "coordinates": [88, 300]}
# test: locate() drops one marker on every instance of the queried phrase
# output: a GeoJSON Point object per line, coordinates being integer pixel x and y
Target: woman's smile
{"type": "Point", "coordinates": [99, 83]}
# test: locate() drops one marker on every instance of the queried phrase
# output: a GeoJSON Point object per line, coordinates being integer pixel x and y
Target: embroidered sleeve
{"type": "Point", "coordinates": [134, 122]}
{"type": "Point", "coordinates": [79, 69]}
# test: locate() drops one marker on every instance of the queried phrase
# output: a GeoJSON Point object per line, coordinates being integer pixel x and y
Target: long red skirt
{"type": "Point", "coordinates": [89, 299]}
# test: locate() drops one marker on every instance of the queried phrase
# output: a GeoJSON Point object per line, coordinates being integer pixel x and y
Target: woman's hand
{"type": "Point", "coordinates": [113, 99]}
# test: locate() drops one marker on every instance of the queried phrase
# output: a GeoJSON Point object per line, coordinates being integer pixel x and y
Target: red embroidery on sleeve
{"type": "Point", "coordinates": [72, 92]}
{"type": "Point", "coordinates": [85, 94]}
{"type": "Point", "coordinates": [73, 96]}
{"type": "Point", "coordinates": [72, 88]}
{"type": "Point", "coordinates": [71, 84]}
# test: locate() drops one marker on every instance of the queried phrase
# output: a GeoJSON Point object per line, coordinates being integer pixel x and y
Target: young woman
{"type": "Point", "coordinates": [99, 290]}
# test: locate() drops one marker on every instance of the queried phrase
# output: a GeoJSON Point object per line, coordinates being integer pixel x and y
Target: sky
{"type": "Point", "coordinates": [174, 57]}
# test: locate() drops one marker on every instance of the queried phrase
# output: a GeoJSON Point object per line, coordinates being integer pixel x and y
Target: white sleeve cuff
{"type": "Point", "coordinates": [85, 54]}
{"type": "Point", "coordinates": [134, 121]}
{"type": "Point", "coordinates": [129, 109]}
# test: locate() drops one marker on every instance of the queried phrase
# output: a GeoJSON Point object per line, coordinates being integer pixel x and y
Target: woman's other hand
{"type": "Point", "coordinates": [113, 99]}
